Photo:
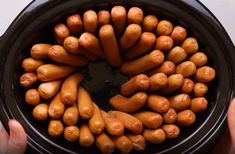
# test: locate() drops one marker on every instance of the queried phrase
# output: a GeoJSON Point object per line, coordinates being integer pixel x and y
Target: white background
{"type": "Point", "coordinates": [224, 10]}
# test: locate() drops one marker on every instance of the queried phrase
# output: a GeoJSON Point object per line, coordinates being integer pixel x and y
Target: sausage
{"type": "Point", "coordinates": [143, 64]}
{"type": "Point", "coordinates": [158, 103]}
{"type": "Point", "coordinates": [149, 119]}
{"type": "Point", "coordinates": [28, 79]}
{"type": "Point", "coordinates": [186, 118]}
{"type": "Point", "coordinates": [96, 124]}
{"type": "Point", "coordinates": [198, 104]}
{"type": "Point", "coordinates": [49, 89]}
{"type": "Point", "coordinates": [69, 89]}
{"type": "Point", "coordinates": [186, 68]}
{"type": "Point", "coordinates": [71, 133]}
{"type": "Point", "coordinates": [167, 67]}
{"type": "Point", "coordinates": [109, 42]}
{"type": "Point", "coordinates": [200, 89]}
{"type": "Point", "coordinates": [146, 42]}
{"type": "Point", "coordinates": [103, 17]}
{"type": "Point", "coordinates": [40, 112]}
{"type": "Point", "coordinates": [135, 15]}
{"type": "Point", "coordinates": [32, 97]}
{"type": "Point", "coordinates": [187, 86]}
{"type": "Point", "coordinates": [205, 74]}
{"type": "Point", "coordinates": [55, 128]}
{"type": "Point", "coordinates": [190, 45]}
{"type": "Point", "coordinates": [180, 102]}
{"type": "Point", "coordinates": [71, 115]}
{"type": "Point", "coordinates": [30, 64]}
{"type": "Point", "coordinates": [157, 81]}
{"type": "Point", "coordinates": [138, 142]}
{"type": "Point", "coordinates": [61, 31]}
{"type": "Point", "coordinates": [164, 43]}
{"type": "Point", "coordinates": [174, 82]}
{"type": "Point", "coordinates": [170, 116]}
{"type": "Point", "coordinates": [150, 23]}
{"type": "Point", "coordinates": [164, 27]}
{"type": "Point", "coordinates": [122, 103]}
{"type": "Point", "coordinates": [199, 59]}
{"type": "Point", "coordinates": [50, 72]}
{"type": "Point", "coordinates": [105, 144]}
{"type": "Point", "coordinates": [59, 54]}
{"type": "Point", "coordinates": [74, 23]}
{"type": "Point", "coordinates": [123, 144]}
{"type": "Point", "coordinates": [138, 83]}
{"type": "Point", "coordinates": [71, 44]}
{"type": "Point", "coordinates": [130, 36]}
{"type": "Point", "coordinates": [154, 136]}
{"type": "Point", "coordinates": [40, 51]}
{"type": "Point", "coordinates": [90, 56]}
{"type": "Point", "coordinates": [178, 34]}
{"type": "Point", "coordinates": [85, 104]}
{"type": "Point", "coordinates": [118, 17]}
{"type": "Point", "coordinates": [113, 125]}
{"type": "Point", "coordinates": [176, 55]}
{"type": "Point", "coordinates": [86, 139]}
{"type": "Point", "coordinates": [56, 107]}
{"type": "Point", "coordinates": [130, 122]}
{"type": "Point", "coordinates": [172, 131]}
{"type": "Point", "coordinates": [92, 44]}
{"type": "Point", "coordinates": [90, 21]}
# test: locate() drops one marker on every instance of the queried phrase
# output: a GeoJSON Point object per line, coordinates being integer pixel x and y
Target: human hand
{"type": "Point", "coordinates": [15, 143]}
{"type": "Point", "coordinates": [231, 126]}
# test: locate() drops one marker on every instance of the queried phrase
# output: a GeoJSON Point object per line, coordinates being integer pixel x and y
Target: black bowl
{"type": "Point", "coordinates": [36, 21]}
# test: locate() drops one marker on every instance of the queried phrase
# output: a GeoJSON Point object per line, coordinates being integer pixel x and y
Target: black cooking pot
{"type": "Point", "coordinates": [34, 25]}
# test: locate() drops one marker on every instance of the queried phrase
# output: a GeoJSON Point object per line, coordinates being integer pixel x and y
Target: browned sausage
{"type": "Point", "coordinates": [28, 79]}
{"type": "Point", "coordinates": [40, 112]}
{"type": "Point", "coordinates": [110, 45]}
{"type": "Point", "coordinates": [69, 89]}
{"type": "Point", "coordinates": [71, 44]}
{"type": "Point", "coordinates": [59, 54]}
{"type": "Point", "coordinates": [123, 144]}
{"type": "Point", "coordinates": [118, 17]}
{"type": "Point", "coordinates": [40, 51]}
{"type": "Point", "coordinates": [50, 72]}
{"type": "Point", "coordinates": [85, 104]}
{"type": "Point", "coordinates": [103, 17]}
{"type": "Point", "coordinates": [164, 43]}
{"type": "Point", "coordinates": [71, 115]}
{"type": "Point", "coordinates": [122, 103]}
{"type": "Point", "coordinates": [130, 122]}
{"type": "Point", "coordinates": [90, 21]}
{"type": "Point", "coordinates": [164, 27]}
{"type": "Point", "coordinates": [190, 45]}
{"type": "Point", "coordinates": [186, 118]}
{"type": "Point", "coordinates": [143, 64]}
{"type": "Point", "coordinates": [145, 44]}
{"type": "Point", "coordinates": [167, 67]}
{"type": "Point", "coordinates": [49, 89]}
{"type": "Point", "coordinates": [198, 104]}
{"type": "Point", "coordinates": [56, 107]}
{"type": "Point", "coordinates": [171, 130]}
{"type": "Point", "coordinates": [71, 133]}
{"type": "Point", "coordinates": [170, 116]}
{"type": "Point", "coordinates": [105, 144]}
{"type": "Point", "coordinates": [178, 34]}
{"type": "Point", "coordinates": [55, 128]}
{"type": "Point", "coordinates": [176, 55]}
{"type": "Point", "coordinates": [186, 68]}
{"type": "Point", "coordinates": [150, 23]}
{"type": "Point", "coordinates": [74, 23]}
{"type": "Point", "coordinates": [149, 119]}
{"type": "Point", "coordinates": [200, 89]}
{"type": "Point", "coordinates": [92, 44]}
{"type": "Point", "coordinates": [113, 125]}
{"type": "Point", "coordinates": [96, 123]}
{"type": "Point", "coordinates": [32, 97]}
{"type": "Point", "coordinates": [180, 102]}
{"type": "Point", "coordinates": [138, 83]}
{"type": "Point", "coordinates": [187, 86]}
{"type": "Point", "coordinates": [86, 139]}
{"type": "Point", "coordinates": [61, 31]}
{"type": "Point", "coordinates": [138, 142]}
{"type": "Point", "coordinates": [130, 36]}
{"type": "Point", "coordinates": [205, 74]}
{"type": "Point", "coordinates": [199, 59]}
{"type": "Point", "coordinates": [135, 15]}
{"type": "Point", "coordinates": [31, 65]}
{"type": "Point", "coordinates": [154, 136]}
{"type": "Point", "coordinates": [158, 103]}
{"type": "Point", "coordinates": [157, 81]}
{"type": "Point", "coordinates": [174, 82]}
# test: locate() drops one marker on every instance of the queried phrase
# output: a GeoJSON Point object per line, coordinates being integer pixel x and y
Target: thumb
{"type": "Point", "coordinates": [18, 141]}
{"type": "Point", "coordinates": [231, 121]}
